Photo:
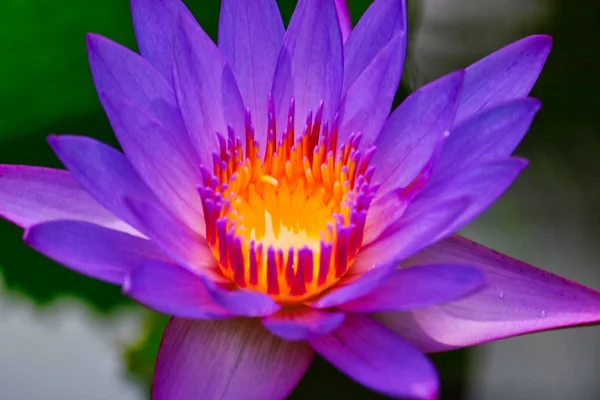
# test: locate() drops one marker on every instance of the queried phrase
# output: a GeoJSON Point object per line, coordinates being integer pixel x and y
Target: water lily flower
{"type": "Point", "coordinates": [268, 200]}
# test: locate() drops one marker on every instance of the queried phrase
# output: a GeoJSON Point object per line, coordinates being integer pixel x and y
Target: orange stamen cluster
{"type": "Point", "coordinates": [290, 223]}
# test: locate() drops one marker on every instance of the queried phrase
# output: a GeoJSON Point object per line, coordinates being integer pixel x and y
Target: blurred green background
{"type": "Point", "coordinates": [64, 336]}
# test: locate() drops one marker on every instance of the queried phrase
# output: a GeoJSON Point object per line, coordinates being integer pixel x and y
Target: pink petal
{"type": "Point", "coordinates": [226, 360]}
{"type": "Point", "coordinates": [518, 299]}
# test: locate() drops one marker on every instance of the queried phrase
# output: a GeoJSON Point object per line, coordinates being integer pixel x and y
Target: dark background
{"type": "Point", "coordinates": [64, 336]}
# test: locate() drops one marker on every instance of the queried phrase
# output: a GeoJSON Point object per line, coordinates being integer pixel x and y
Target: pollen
{"type": "Point", "coordinates": [287, 222]}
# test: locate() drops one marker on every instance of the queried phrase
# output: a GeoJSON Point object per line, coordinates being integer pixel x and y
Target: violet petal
{"type": "Point", "coordinates": [375, 263]}
{"type": "Point", "coordinates": [206, 91]}
{"type": "Point", "coordinates": [375, 357]}
{"type": "Point", "coordinates": [518, 299]}
{"type": "Point", "coordinates": [33, 195]}
{"type": "Point", "coordinates": [181, 243]}
{"type": "Point", "coordinates": [310, 66]}
{"type": "Point", "coordinates": [412, 132]}
{"type": "Point", "coordinates": [302, 324]}
{"type": "Point", "coordinates": [155, 23]}
{"type": "Point", "coordinates": [488, 135]}
{"type": "Point", "coordinates": [157, 159]}
{"type": "Point", "coordinates": [389, 207]}
{"type": "Point", "coordinates": [418, 287]}
{"type": "Point", "coordinates": [171, 289]}
{"type": "Point", "coordinates": [508, 73]}
{"type": "Point", "coordinates": [250, 37]}
{"type": "Point", "coordinates": [240, 302]}
{"type": "Point", "coordinates": [483, 183]}
{"type": "Point", "coordinates": [382, 21]}
{"type": "Point", "coordinates": [226, 360]}
{"type": "Point", "coordinates": [368, 101]}
{"type": "Point", "coordinates": [117, 69]}
{"type": "Point", "coordinates": [102, 171]}
{"type": "Point", "coordinates": [90, 249]}
{"type": "Point", "coordinates": [344, 17]}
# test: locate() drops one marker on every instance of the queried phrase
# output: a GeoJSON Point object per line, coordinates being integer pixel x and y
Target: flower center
{"type": "Point", "coordinates": [290, 223]}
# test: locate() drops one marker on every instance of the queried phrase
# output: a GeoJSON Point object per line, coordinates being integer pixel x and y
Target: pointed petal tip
{"type": "Point", "coordinates": [94, 39]}
{"type": "Point", "coordinates": [543, 39]}
{"type": "Point", "coordinates": [52, 139]}
{"type": "Point", "coordinates": [521, 163]}
{"type": "Point", "coordinates": [90, 40]}
{"type": "Point", "coordinates": [459, 74]}
{"type": "Point", "coordinates": [533, 103]}
{"type": "Point", "coordinates": [56, 142]}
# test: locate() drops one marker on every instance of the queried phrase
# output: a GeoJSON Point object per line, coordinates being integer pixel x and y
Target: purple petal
{"type": "Point", "coordinates": [419, 287]}
{"type": "Point", "coordinates": [90, 249]}
{"type": "Point", "coordinates": [382, 21]}
{"type": "Point", "coordinates": [507, 74]}
{"type": "Point", "coordinates": [412, 132]}
{"type": "Point", "coordinates": [375, 357]}
{"type": "Point", "coordinates": [240, 301]}
{"type": "Point", "coordinates": [411, 233]}
{"type": "Point", "coordinates": [117, 69]}
{"type": "Point", "coordinates": [483, 183]}
{"type": "Point", "coordinates": [355, 284]}
{"type": "Point", "coordinates": [310, 66]}
{"type": "Point", "coordinates": [302, 324]}
{"type": "Point", "coordinates": [250, 36]}
{"type": "Point", "coordinates": [183, 245]}
{"type": "Point", "coordinates": [155, 24]}
{"type": "Point", "coordinates": [226, 360]}
{"type": "Point", "coordinates": [191, 251]}
{"type": "Point", "coordinates": [173, 290]}
{"type": "Point", "coordinates": [377, 261]}
{"type": "Point", "coordinates": [33, 195]}
{"type": "Point", "coordinates": [368, 101]}
{"type": "Point", "coordinates": [518, 299]}
{"type": "Point", "coordinates": [157, 159]}
{"type": "Point", "coordinates": [489, 135]}
{"type": "Point", "coordinates": [388, 208]}
{"type": "Point", "coordinates": [206, 90]}
{"type": "Point", "coordinates": [102, 171]}
{"type": "Point", "coordinates": [344, 17]}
